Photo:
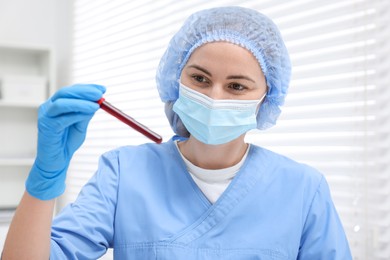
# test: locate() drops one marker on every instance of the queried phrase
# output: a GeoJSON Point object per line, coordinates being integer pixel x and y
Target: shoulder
{"type": "Point", "coordinates": [288, 180]}
{"type": "Point", "coordinates": [281, 166]}
{"type": "Point", "coordinates": [146, 160]}
{"type": "Point", "coordinates": [298, 184]}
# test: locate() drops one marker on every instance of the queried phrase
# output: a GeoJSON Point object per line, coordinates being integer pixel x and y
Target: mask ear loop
{"type": "Point", "coordinates": [260, 102]}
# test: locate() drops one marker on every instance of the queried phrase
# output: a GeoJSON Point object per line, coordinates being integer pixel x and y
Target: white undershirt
{"type": "Point", "coordinates": [212, 182]}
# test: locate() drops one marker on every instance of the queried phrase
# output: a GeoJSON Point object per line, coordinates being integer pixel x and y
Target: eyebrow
{"type": "Point", "coordinates": [201, 69]}
{"type": "Point", "coordinates": [229, 77]}
{"type": "Point", "coordinates": [240, 77]}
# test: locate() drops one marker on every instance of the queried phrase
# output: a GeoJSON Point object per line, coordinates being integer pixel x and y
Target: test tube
{"type": "Point", "coordinates": [106, 106]}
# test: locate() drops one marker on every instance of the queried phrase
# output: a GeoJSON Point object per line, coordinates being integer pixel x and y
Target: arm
{"type": "Point", "coordinates": [62, 125]}
{"type": "Point", "coordinates": [29, 233]}
{"type": "Point", "coordinates": [84, 229]}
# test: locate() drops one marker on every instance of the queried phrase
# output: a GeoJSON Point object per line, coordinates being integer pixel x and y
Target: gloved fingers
{"type": "Point", "coordinates": [56, 116]}
{"type": "Point", "coordinates": [66, 105]}
{"type": "Point", "coordinates": [91, 92]}
{"type": "Point", "coordinates": [51, 126]}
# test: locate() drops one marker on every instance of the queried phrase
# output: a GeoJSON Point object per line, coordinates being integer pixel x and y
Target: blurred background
{"type": "Point", "coordinates": [336, 116]}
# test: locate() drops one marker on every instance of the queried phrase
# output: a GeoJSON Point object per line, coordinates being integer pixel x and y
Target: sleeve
{"type": "Point", "coordinates": [85, 228]}
{"type": "Point", "coordinates": [323, 236]}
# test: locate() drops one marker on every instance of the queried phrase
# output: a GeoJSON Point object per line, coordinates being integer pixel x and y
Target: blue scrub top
{"type": "Point", "coordinates": [143, 203]}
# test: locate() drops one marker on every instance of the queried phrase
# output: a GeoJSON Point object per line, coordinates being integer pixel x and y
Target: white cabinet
{"type": "Point", "coordinates": [27, 78]}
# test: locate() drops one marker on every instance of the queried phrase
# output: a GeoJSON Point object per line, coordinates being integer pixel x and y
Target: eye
{"type": "Point", "coordinates": [237, 87]}
{"type": "Point", "coordinates": [200, 78]}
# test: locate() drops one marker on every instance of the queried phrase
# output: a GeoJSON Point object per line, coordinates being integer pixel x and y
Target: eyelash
{"type": "Point", "coordinates": [200, 79]}
{"type": "Point", "coordinates": [242, 87]}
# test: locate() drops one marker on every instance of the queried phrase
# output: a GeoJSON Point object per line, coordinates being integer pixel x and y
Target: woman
{"type": "Point", "coordinates": [205, 194]}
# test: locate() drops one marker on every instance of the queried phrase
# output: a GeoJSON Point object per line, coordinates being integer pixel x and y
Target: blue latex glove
{"type": "Point", "coordinates": [62, 127]}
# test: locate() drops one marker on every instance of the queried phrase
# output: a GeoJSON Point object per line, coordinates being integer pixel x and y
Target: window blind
{"type": "Point", "coordinates": [336, 115]}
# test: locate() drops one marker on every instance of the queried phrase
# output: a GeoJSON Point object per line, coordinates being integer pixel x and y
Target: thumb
{"type": "Point", "coordinates": [77, 134]}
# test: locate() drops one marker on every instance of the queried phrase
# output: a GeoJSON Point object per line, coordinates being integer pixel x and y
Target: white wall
{"type": "Point", "coordinates": [42, 22]}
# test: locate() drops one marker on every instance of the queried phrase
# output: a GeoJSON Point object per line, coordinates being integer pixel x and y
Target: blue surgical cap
{"type": "Point", "coordinates": [242, 26]}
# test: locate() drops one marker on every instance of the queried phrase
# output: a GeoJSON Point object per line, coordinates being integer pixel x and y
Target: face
{"type": "Point", "coordinates": [222, 70]}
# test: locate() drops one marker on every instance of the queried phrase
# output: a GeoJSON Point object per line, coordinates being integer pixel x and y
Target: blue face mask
{"type": "Point", "coordinates": [215, 121]}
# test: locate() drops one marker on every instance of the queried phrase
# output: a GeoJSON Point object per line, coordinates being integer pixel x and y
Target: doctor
{"type": "Point", "coordinates": [204, 194]}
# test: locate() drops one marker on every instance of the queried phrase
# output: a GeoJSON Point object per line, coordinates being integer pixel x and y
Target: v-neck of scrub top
{"type": "Point", "coordinates": [236, 191]}
{"type": "Point", "coordinates": [212, 182]}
